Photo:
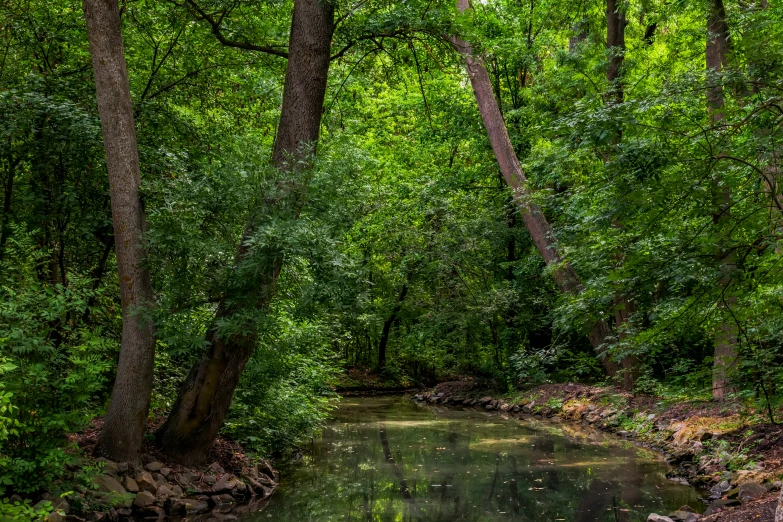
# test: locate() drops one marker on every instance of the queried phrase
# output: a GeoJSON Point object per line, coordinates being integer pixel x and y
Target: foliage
{"type": "Point", "coordinates": [406, 235]}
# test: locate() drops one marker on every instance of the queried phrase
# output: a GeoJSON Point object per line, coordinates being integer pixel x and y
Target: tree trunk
{"type": "Point", "coordinates": [615, 46]}
{"type": "Point", "coordinates": [725, 340]}
{"type": "Point", "coordinates": [387, 327]}
{"type": "Point", "coordinates": [123, 428]}
{"type": "Point", "coordinates": [541, 232]}
{"type": "Point", "coordinates": [5, 228]}
{"type": "Point", "coordinates": [205, 398]}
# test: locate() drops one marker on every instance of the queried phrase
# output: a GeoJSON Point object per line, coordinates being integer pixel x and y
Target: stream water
{"type": "Point", "coordinates": [387, 459]}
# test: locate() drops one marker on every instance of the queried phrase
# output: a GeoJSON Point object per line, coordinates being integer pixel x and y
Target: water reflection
{"type": "Point", "coordinates": [386, 459]}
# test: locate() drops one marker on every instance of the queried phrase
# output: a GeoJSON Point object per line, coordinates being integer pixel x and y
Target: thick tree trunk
{"type": "Point", "coordinates": [725, 340]}
{"type": "Point", "coordinates": [387, 324]}
{"type": "Point", "coordinates": [123, 428]}
{"type": "Point", "coordinates": [205, 398]}
{"type": "Point", "coordinates": [535, 221]}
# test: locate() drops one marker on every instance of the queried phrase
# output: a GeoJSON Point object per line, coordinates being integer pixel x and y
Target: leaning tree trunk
{"type": "Point", "coordinates": [725, 340]}
{"type": "Point", "coordinates": [123, 427]}
{"type": "Point", "coordinates": [615, 46]}
{"type": "Point", "coordinates": [205, 398]}
{"type": "Point", "coordinates": [541, 232]}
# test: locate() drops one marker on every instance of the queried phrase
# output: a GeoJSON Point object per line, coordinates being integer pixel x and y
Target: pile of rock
{"type": "Point", "coordinates": [126, 493]}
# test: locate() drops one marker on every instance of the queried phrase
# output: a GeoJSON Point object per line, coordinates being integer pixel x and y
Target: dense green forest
{"type": "Point", "coordinates": [214, 209]}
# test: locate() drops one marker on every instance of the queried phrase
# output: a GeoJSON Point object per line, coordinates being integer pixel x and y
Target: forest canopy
{"type": "Point", "coordinates": [216, 213]}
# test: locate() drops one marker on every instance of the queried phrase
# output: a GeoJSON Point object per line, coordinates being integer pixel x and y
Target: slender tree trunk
{"type": "Point", "coordinates": [615, 46]}
{"type": "Point", "coordinates": [541, 232]}
{"type": "Point", "coordinates": [8, 192]}
{"type": "Point", "coordinates": [205, 398]}
{"type": "Point", "coordinates": [387, 324]}
{"type": "Point", "coordinates": [725, 340]}
{"type": "Point", "coordinates": [123, 428]}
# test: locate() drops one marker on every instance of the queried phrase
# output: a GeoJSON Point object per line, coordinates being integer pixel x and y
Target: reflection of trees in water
{"type": "Point", "coordinates": [385, 471]}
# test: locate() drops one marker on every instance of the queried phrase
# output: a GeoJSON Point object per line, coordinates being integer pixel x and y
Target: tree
{"type": "Point", "coordinates": [615, 46]}
{"type": "Point", "coordinates": [540, 230]}
{"type": "Point", "coordinates": [205, 398]}
{"type": "Point", "coordinates": [126, 418]}
{"type": "Point", "coordinates": [717, 50]}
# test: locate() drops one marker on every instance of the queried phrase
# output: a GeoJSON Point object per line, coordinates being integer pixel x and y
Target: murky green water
{"type": "Point", "coordinates": [387, 459]}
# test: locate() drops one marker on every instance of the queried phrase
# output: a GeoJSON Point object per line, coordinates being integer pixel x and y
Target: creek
{"type": "Point", "coordinates": [388, 459]}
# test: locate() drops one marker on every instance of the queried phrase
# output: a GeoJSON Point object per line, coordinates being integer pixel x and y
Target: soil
{"type": "Point", "coordinates": [229, 454]}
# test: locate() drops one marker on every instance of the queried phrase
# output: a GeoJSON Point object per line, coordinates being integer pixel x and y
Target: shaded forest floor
{"type": "Point", "coordinates": [730, 450]}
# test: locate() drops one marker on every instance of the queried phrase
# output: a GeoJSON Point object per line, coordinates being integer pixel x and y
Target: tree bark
{"type": "Point", "coordinates": [725, 340]}
{"type": "Point", "coordinates": [8, 191]}
{"type": "Point", "coordinates": [126, 418]}
{"type": "Point", "coordinates": [387, 327]}
{"type": "Point", "coordinates": [541, 232]}
{"type": "Point", "coordinates": [615, 46]}
{"type": "Point", "coordinates": [206, 396]}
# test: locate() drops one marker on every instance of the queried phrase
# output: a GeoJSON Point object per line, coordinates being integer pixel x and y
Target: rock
{"type": "Point", "coordinates": [720, 505]}
{"type": "Point", "coordinates": [109, 484]}
{"type": "Point", "coordinates": [97, 517]}
{"type": "Point", "coordinates": [223, 500]}
{"type": "Point", "coordinates": [216, 468]}
{"type": "Point", "coordinates": [152, 512]}
{"type": "Point", "coordinates": [160, 480]}
{"type": "Point", "coordinates": [165, 472]}
{"type": "Point", "coordinates": [108, 465]}
{"type": "Point", "coordinates": [188, 506]}
{"type": "Point", "coordinates": [515, 408]}
{"type": "Point", "coordinates": [144, 499]}
{"type": "Point", "coordinates": [74, 518]}
{"type": "Point", "coordinates": [267, 469]}
{"type": "Point", "coordinates": [718, 490]}
{"type": "Point", "coordinates": [16, 498]}
{"type": "Point", "coordinates": [528, 408]}
{"type": "Point", "coordinates": [188, 477]}
{"type": "Point", "coordinates": [229, 484]}
{"type": "Point", "coordinates": [122, 467]}
{"type": "Point", "coordinates": [163, 492]}
{"type": "Point", "coordinates": [154, 466]}
{"type": "Point", "coordinates": [684, 516]}
{"type": "Point", "coordinates": [176, 492]}
{"type": "Point", "coordinates": [750, 491]}
{"type": "Point", "coordinates": [146, 482]}
{"type": "Point", "coordinates": [686, 508]}
{"type": "Point", "coordinates": [130, 485]}
{"type": "Point", "coordinates": [746, 476]}
{"type": "Point", "coordinates": [55, 516]}
{"type": "Point", "coordinates": [124, 512]}
{"type": "Point", "coordinates": [209, 479]}
{"type": "Point", "coordinates": [655, 517]}
{"type": "Point", "coordinates": [58, 503]}
{"type": "Point", "coordinates": [489, 407]}
{"type": "Point", "coordinates": [505, 407]}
